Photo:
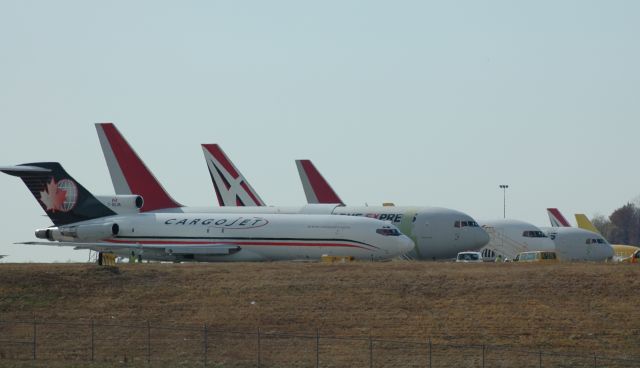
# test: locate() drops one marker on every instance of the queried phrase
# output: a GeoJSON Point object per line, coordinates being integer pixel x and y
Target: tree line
{"type": "Point", "coordinates": [622, 226]}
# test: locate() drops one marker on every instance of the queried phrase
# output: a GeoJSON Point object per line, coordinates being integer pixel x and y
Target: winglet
{"type": "Point", "coordinates": [316, 188]}
{"type": "Point", "coordinates": [128, 172]}
{"type": "Point", "coordinates": [584, 223]}
{"type": "Point", "coordinates": [232, 189]}
{"type": "Point", "coordinates": [556, 218]}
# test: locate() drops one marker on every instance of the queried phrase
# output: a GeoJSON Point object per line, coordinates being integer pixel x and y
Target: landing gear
{"type": "Point", "coordinates": [100, 259]}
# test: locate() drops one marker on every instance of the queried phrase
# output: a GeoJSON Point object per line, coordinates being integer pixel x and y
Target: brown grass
{"type": "Point", "coordinates": [579, 308]}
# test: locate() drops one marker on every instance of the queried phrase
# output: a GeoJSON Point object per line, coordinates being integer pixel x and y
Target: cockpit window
{"type": "Point", "coordinates": [387, 231]}
{"type": "Point", "coordinates": [465, 224]}
{"type": "Point", "coordinates": [595, 241]}
{"type": "Point", "coordinates": [533, 234]}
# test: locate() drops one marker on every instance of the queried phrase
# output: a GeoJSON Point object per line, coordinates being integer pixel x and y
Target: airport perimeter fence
{"type": "Point", "coordinates": [144, 344]}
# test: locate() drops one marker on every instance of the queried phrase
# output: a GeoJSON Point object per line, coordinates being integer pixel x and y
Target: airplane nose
{"type": "Point", "coordinates": [482, 238]}
{"type": "Point", "coordinates": [405, 244]}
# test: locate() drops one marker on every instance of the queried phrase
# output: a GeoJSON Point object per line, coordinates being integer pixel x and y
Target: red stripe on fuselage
{"type": "Point", "coordinates": [234, 242]}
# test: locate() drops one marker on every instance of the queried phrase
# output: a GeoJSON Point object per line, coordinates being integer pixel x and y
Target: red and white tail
{"type": "Point", "coordinates": [232, 189]}
{"type": "Point", "coordinates": [556, 218]}
{"type": "Point", "coordinates": [316, 188]}
{"type": "Point", "coordinates": [128, 173]}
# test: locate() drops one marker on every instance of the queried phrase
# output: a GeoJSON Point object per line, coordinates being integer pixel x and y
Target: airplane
{"type": "Point", "coordinates": [80, 220]}
{"type": "Point", "coordinates": [575, 244]}
{"type": "Point", "coordinates": [510, 237]}
{"type": "Point", "coordinates": [439, 233]}
{"type": "Point", "coordinates": [621, 251]}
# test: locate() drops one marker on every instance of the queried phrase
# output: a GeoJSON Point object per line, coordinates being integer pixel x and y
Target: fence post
{"type": "Point", "coordinates": [370, 351]}
{"type": "Point", "coordinates": [430, 352]}
{"type": "Point", "coordinates": [258, 347]}
{"type": "Point", "coordinates": [93, 346]}
{"type": "Point", "coordinates": [317, 348]}
{"type": "Point", "coordinates": [540, 359]}
{"type": "Point", "coordinates": [148, 342]}
{"type": "Point", "coordinates": [206, 344]}
{"type": "Point", "coordinates": [35, 332]}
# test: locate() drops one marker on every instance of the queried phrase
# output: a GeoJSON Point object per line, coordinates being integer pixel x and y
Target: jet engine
{"type": "Point", "coordinates": [91, 232]}
{"type": "Point", "coordinates": [123, 204]}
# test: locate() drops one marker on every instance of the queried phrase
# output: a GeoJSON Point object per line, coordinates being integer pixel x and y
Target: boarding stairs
{"type": "Point", "coordinates": [500, 244]}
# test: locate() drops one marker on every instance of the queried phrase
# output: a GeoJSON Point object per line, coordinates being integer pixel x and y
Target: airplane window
{"type": "Point", "coordinates": [464, 223]}
{"type": "Point", "coordinates": [600, 241]}
{"type": "Point", "coordinates": [527, 234]}
{"type": "Point", "coordinates": [588, 241]}
{"type": "Point", "coordinates": [456, 224]}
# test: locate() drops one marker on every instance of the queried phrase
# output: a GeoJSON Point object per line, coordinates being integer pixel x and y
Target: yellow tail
{"type": "Point", "coordinates": [585, 223]}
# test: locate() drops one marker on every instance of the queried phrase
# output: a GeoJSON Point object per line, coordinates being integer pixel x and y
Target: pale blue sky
{"type": "Point", "coordinates": [415, 102]}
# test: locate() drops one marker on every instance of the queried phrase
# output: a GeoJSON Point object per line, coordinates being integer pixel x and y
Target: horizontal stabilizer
{"type": "Point", "coordinates": [23, 170]}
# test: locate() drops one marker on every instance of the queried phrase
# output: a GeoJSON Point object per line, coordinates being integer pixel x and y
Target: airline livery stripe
{"type": "Point", "coordinates": [208, 240]}
{"type": "Point", "coordinates": [235, 242]}
{"type": "Point", "coordinates": [246, 188]}
{"type": "Point", "coordinates": [222, 159]}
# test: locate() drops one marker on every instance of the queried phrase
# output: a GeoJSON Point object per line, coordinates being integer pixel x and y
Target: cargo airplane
{"type": "Point", "coordinates": [439, 233]}
{"type": "Point", "coordinates": [621, 251]}
{"type": "Point", "coordinates": [576, 244]}
{"type": "Point", "coordinates": [84, 222]}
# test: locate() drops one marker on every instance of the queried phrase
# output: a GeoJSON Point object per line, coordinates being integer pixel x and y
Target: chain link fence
{"type": "Point", "coordinates": [204, 346]}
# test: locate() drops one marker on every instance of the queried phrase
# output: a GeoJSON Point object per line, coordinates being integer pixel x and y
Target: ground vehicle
{"type": "Point", "coordinates": [634, 258]}
{"type": "Point", "coordinates": [537, 256]}
{"type": "Point", "coordinates": [469, 257]}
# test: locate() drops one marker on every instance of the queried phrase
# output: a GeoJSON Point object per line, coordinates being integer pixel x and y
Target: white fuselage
{"type": "Point", "coordinates": [510, 237]}
{"type": "Point", "coordinates": [257, 237]}
{"type": "Point", "coordinates": [575, 244]}
{"type": "Point", "coordinates": [433, 229]}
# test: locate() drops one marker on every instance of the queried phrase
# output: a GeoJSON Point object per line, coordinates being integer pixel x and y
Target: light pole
{"type": "Point", "coordinates": [504, 199]}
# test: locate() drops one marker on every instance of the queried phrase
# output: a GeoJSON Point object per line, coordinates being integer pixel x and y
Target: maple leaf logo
{"type": "Point", "coordinates": [52, 197]}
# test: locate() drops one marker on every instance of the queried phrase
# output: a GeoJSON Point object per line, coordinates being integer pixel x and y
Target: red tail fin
{"type": "Point", "coordinates": [129, 174]}
{"type": "Point", "coordinates": [556, 218]}
{"type": "Point", "coordinates": [232, 189]}
{"type": "Point", "coordinates": [316, 188]}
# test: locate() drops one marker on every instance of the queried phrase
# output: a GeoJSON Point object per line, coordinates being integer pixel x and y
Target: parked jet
{"type": "Point", "coordinates": [621, 251]}
{"type": "Point", "coordinates": [575, 244]}
{"type": "Point", "coordinates": [510, 237]}
{"type": "Point", "coordinates": [439, 233]}
{"type": "Point", "coordinates": [82, 221]}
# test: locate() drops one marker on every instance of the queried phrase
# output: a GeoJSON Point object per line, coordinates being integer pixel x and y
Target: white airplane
{"type": "Point", "coordinates": [576, 244]}
{"type": "Point", "coordinates": [510, 237]}
{"type": "Point", "coordinates": [439, 233]}
{"type": "Point", "coordinates": [82, 221]}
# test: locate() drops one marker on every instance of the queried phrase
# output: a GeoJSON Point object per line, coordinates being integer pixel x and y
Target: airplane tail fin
{"type": "Point", "coordinates": [128, 172]}
{"type": "Point", "coordinates": [61, 197]}
{"type": "Point", "coordinates": [556, 218]}
{"type": "Point", "coordinates": [232, 189]}
{"type": "Point", "coordinates": [316, 188]}
{"type": "Point", "coordinates": [584, 223]}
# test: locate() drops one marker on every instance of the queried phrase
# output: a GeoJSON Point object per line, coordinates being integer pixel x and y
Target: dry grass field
{"type": "Point", "coordinates": [578, 308]}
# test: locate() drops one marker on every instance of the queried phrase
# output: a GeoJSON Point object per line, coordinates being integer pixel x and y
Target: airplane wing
{"type": "Point", "coordinates": [177, 249]}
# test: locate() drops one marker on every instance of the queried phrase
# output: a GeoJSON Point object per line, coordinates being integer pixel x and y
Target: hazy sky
{"type": "Point", "coordinates": [414, 102]}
